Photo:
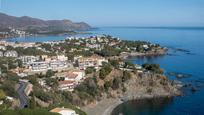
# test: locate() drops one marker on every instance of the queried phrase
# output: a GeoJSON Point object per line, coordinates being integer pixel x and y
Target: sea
{"type": "Point", "coordinates": [185, 57]}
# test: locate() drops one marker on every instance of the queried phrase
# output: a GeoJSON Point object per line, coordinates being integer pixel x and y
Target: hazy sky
{"type": "Point", "coordinates": [112, 12]}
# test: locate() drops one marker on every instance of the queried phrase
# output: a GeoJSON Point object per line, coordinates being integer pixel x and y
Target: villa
{"type": "Point", "coordinates": [68, 80]}
{"type": "Point", "coordinates": [74, 75]}
{"type": "Point", "coordinates": [67, 85]}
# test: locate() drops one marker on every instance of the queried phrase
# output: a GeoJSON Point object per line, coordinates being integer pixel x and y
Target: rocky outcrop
{"type": "Point", "coordinates": [149, 85]}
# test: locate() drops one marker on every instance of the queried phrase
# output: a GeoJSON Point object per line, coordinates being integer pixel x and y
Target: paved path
{"type": "Point", "coordinates": [21, 95]}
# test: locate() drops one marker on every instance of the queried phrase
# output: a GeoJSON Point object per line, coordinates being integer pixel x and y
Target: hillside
{"type": "Point", "coordinates": [38, 25]}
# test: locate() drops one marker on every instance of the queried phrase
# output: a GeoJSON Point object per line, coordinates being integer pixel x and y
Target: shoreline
{"type": "Point", "coordinates": [128, 55]}
{"type": "Point", "coordinates": [45, 35]}
{"type": "Point", "coordinates": [106, 106]}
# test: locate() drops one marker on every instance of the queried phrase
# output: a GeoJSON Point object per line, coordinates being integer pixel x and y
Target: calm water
{"type": "Point", "coordinates": [181, 62]}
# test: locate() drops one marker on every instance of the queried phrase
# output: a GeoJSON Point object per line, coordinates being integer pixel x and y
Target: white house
{"type": "Point", "coordinates": [64, 111]}
{"type": "Point", "coordinates": [145, 46]}
{"type": "Point", "coordinates": [2, 47]}
{"type": "Point", "coordinates": [11, 54]}
{"type": "Point", "coordinates": [67, 85]}
{"type": "Point", "coordinates": [73, 75]}
{"type": "Point", "coordinates": [80, 75]}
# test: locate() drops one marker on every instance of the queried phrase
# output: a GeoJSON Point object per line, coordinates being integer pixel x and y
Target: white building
{"type": "Point", "coordinates": [67, 85]}
{"type": "Point", "coordinates": [11, 54]}
{"type": "Point", "coordinates": [97, 46]}
{"type": "Point", "coordinates": [39, 66]}
{"type": "Point", "coordinates": [74, 75]}
{"type": "Point", "coordinates": [93, 61]}
{"type": "Point", "coordinates": [64, 111]}
{"type": "Point", "coordinates": [80, 75]}
{"type": "Point", "coordinates": [145, 46]}
{"type": "Point", "coordinates": [56, 64]}
{"type": "Point", "coordinates": [46, 63]}
{"type": "Point", "coordinates": [28, 59]}
{"type": "Point", "coordinates": [2, 47]}
{"type": "Point", "coordinates": [62, 58]}
{"type": "Point", "coordinates": [1, 54]}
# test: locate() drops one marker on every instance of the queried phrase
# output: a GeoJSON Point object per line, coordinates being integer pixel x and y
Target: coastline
{"type": "Point", "coordinates": [126, 55]}
{"type": "Point", "coordinates": [135, 91]}
{"type": "Point", "coordinates": [106, 106]}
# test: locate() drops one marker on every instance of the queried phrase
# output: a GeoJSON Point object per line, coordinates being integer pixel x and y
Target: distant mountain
{"type": "Point", "coordinates": [38, 25]}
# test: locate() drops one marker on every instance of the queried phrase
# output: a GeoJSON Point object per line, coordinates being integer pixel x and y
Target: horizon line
{"type": "Point", "coordinates": [152, 27]}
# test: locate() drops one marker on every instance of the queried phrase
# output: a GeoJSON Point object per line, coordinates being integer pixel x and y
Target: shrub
{"type": "Point", "coordinates": [2, 95]}
{"type": "Point", "coordinates": [153, 67]}
{"type": "Point", "coordinates": [90, 70]}
{"type": "Point", "coordinates": [44, 96]}
{"type": "Point", "coordinates": [126, 76]}
{"type": "Point", "coordinates": [104, 71]}
{"type": "Point", "coordinates": [116, 83]}
{"type": "Point", "coordinates": [107, 85]}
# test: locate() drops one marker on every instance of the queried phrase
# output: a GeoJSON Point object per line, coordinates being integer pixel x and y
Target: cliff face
{"type": "Point", "coordinates": [144, 85]}
{"type": "Point", "coordinates": [149, 85]}
{"type": "Point", "coordinates": [29, 23]}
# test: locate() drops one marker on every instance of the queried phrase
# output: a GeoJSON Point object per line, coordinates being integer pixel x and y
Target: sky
{"type": "Point", "coordinates": [112, 12]}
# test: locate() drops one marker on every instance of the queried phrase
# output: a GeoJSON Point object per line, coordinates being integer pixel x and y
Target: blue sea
{"type": "Point", "coordinates": [189, 60]}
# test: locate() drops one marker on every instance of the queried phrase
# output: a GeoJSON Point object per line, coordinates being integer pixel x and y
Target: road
{"type": "Point", "coordinates": [22, 96]}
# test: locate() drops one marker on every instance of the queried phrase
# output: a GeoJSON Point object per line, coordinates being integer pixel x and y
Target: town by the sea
{"type": "Point", "coordinates": [184, 62]}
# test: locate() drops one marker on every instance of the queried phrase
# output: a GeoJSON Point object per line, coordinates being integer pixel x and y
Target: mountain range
{"type": "Point", "coordinates": [38, 25]}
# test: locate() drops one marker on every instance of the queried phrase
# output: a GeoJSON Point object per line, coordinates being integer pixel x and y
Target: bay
{"type": "Point", "coordinates": [185, 55]}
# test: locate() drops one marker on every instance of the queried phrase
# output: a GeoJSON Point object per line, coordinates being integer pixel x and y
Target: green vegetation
{"type": "Point", "coordinates": [30, 51]}
{"type": "Point", "coordinates": [107, 85]}
{"type": "Point", "coordinates": [90, 70]}
{"type": "Point", "coordinates": [116, 83]}
{"type": "Point", "coordinates": [129, 65]}
{"type": "Point", "coordinates": [9, 78]}
{"type": "Point", "coordinates": [2, 95]}
{"type": "Point", "coordinates": [58, 33]}
{"type": "Point", "coordinates": [89, 86]}
{"type": "Point", "coordinates": [7, 63]}
{"type": "Point", "coordinates": [42, 95]}
{"type": "Point", "coordinates": [50, 73]}
{"type": "Point", "coordinates": [114, 63]}
{"type": "Point", "coordinates": [153, 68]}
{"type": "Point", "coordinates": [109, 51]}
{"type": "Point", "coordinates": [105, 82]}
{"type": "Point", "coordinates": [105, 70]}
{"type": "Point", "coordinates": [27, 112]}
{"type": "Point", "coordinates": [126, 76]}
